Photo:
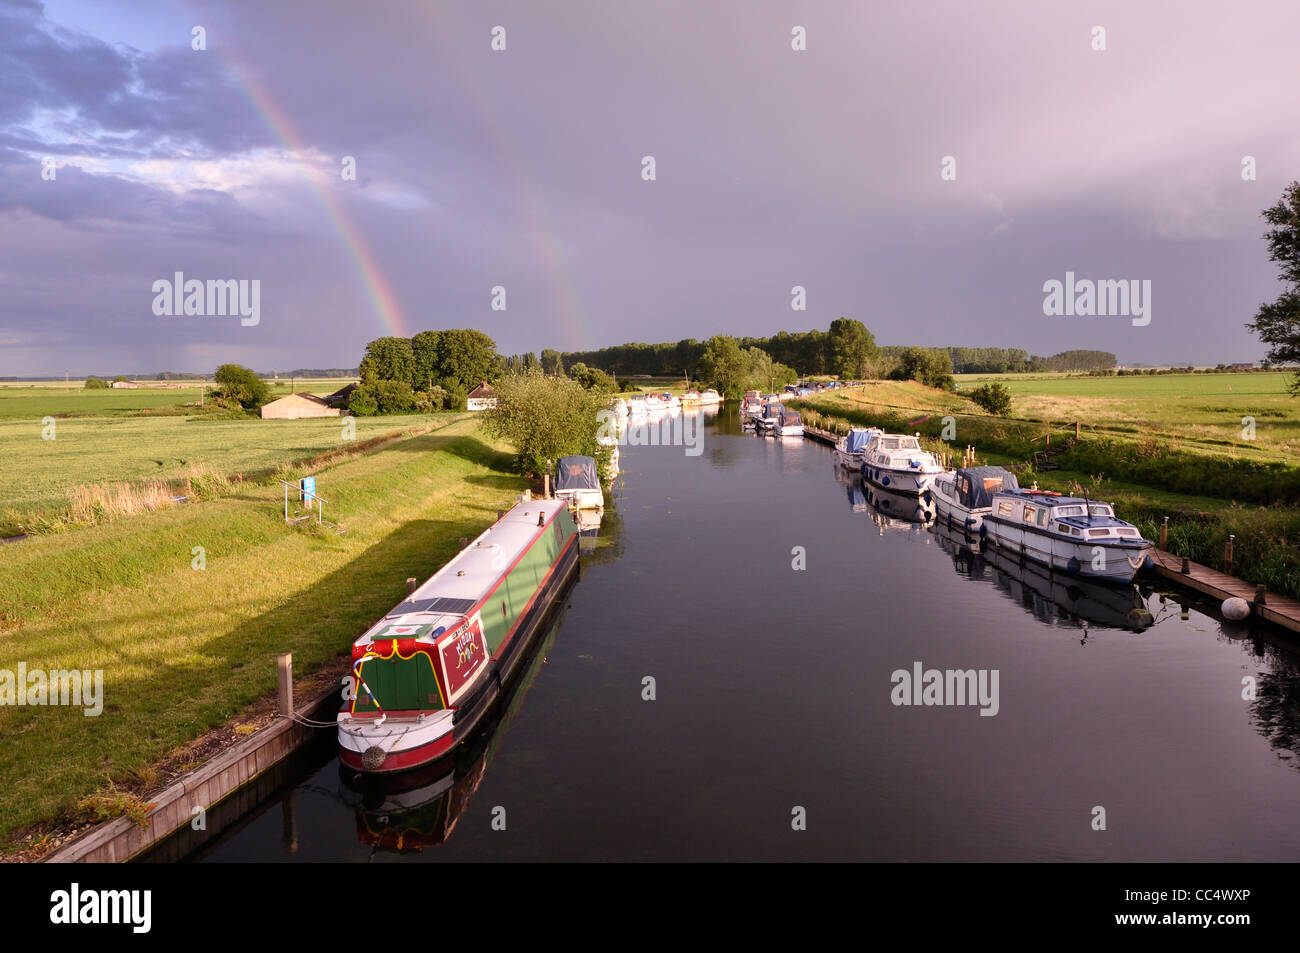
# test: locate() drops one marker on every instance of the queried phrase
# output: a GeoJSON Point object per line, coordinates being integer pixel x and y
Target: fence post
{"type": "Point", "coordinates": [284, 676]}
{"type": "Point", "coordinates": [1164, 535]}
{"type": "Point", "coordinates": [1227, 554]}
{"type": "Point", "coordinates": [1259, 595]}
{"type": "Point", "coordinates": [1076, 430]}
{"type": "Point", "coordinates": [411, 582]}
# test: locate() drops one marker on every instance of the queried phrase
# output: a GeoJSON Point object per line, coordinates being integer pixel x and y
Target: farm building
{"type": "Point", "coordinates": [481, 398]}
{"type": "Point", "coordinates": [298, 405]}
{"type": "Point", "coordinates": [341, 396]}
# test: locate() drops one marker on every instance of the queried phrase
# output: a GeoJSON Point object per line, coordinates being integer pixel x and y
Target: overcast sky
{"type": "Point", "coordinates": [523, 169]}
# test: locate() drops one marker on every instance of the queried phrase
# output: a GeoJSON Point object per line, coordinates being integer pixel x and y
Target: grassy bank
{"type": "Point", "coordinates": [184, 649]}
{"type": "Point", "coordinates": [1250, 492]}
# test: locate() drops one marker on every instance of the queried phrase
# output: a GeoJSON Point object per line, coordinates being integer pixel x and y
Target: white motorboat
{"type": "Point", "coordinates": [577, 483]}
{"type": "Point", "coordinates": [769, 418]}
{"type": "Point", "coordinates": [789, 424]}
{"type": "Point", "coordinates": [850, 449]}
{"type": "Point", "coordinates": [1066, 533]}
{"type": "Point", "coordinates": [636, 407]}
{"type": "Point", "coordinates": [963, 498]}
{"type": "Point", "coordinates": [897, 463]}
{"type": "Point", "coordinates": [710, 396]}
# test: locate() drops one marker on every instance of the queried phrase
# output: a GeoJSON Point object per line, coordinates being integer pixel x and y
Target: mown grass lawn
{"type": "Point", "coordinates": [185, 649]}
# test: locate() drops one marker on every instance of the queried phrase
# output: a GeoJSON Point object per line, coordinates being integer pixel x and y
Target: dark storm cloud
{"type": "Point", "coordinates": [775, 168]}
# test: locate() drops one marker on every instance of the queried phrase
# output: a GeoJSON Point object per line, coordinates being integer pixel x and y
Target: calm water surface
{"type": "Point", "coordinates": [773, 692]}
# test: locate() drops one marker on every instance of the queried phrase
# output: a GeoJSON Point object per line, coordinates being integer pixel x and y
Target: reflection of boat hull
{"type": "Point", "coordinates": [913, 481]}
{"type": "Point", "coordinates": [1032, 584]}
{"type": "Point", "coordinates": [903, 507]}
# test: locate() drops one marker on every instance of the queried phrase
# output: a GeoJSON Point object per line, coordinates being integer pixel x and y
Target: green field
{"type": "Point", "coordinates": [183, 649]}
{"type": "Point", "coordinates": [111, 436]}
{"type": "Point", "coordinates": [1201, 411]}
{"type": "Point", "coordinates": [19, 401]}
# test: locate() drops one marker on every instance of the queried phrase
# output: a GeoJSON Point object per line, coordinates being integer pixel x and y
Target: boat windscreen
{"type": "Point", "coordinates": [576, 473]}
{"type": "Point", "coordinates": [791, 419]}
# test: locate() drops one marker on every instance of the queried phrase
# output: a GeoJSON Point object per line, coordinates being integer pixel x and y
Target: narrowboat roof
{"type": "Point", "coordinates": [454, 589]}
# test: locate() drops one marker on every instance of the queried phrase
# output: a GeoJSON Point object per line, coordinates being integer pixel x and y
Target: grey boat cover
{"type": "Point", "coordinates": [791, 419]}
{"type": "Point", "coordinates": [576, 473]}
{"type": "Point", "coordinates": [976, 485]}
{"type": "Point", "coordinates": [857, 441]}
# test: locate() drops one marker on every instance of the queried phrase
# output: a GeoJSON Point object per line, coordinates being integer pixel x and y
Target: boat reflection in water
{"type": "Point", "coordinates": [416, 809]}
{"type": "Point", "coordinates": [851, 480]}
{"type": "Point", "coordinates": [898, 511]}
{"type": "Point", "coordinates": [1050, 596]}
{"type": "Point", "coordinates": [588, 529]}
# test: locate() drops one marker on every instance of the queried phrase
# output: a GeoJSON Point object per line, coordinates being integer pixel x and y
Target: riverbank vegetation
{"type": "Point", "coordinates": [185, 644]}
{"type": "Point", "coordinates": [1171, 448]}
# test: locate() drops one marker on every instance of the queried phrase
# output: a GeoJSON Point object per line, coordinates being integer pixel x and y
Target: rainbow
{"type": "Point", "coordinates": [380, 293]}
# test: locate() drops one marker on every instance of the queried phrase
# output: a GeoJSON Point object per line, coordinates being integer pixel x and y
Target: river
{"type": "Point", "coordinates": [771, 607]}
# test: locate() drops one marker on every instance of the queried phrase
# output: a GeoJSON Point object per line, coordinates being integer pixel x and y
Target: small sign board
{"type": "Point", "coordinates": [308, 487]}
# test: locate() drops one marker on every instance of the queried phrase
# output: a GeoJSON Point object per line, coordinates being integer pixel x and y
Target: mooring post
{"type": "Point", "coordinates": [284, 675]}
{"type": "Point", "coordinates": [1227, 554]}
{"type": "Point", "coordinates": [464, 541]}
{"type": "Point", "coordinates": [1164, 534]}
{"type": "Point", "coordinates": [410, 580]}
{"type": "Point", "coordinates": [1187, 566]}
{"type": "Point", "coordinates": [501, 514]}
{"type": "Point", "coordinates": [1259, 595]}
{"type": "Point", "coordinates": [546, 481]}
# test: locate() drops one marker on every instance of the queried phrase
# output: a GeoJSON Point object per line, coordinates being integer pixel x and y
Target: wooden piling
{"type": "Point", "coordinates": [1187, 566]}
{"type": "Point", "coordinates": [284, 675]}
{"type": "Point", "coordinates": [1259, 596]}
{"type": "Point", "coordinates": [1164, 534]}
{"type": "Point", "coordinates": [1227, 554]}
{"type": "Point", "coordinates": [411, 581]}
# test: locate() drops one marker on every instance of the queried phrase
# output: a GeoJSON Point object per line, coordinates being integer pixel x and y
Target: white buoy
{"type": "Point", "coordinates": [1235, 609]}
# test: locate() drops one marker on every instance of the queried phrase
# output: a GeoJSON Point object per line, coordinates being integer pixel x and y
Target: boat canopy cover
{"type": "Point", "coordinates": [791, 419]}
{"type": "Point", "coordinates": [857, 441]}
{"type": "Point", "coordinates": [576, 473]}
{"type": "Point", "coordinates": [976, 485]}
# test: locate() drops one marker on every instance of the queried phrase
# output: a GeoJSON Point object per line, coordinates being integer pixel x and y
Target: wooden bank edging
{"type": "Point", "coordinates": [207, 785]}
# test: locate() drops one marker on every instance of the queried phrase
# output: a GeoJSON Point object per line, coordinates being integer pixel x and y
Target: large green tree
{"type": "Point", "coordinates": [466, 358]}
{"type": "Point", "coordinates": [1278, 324]}
{"type": "Point", "coordinates": [927, 365]}
{"type": "Point", "coordinates": [239, 385]}
{"type": "Point", "coordinates": [725, 365]}
{"type": "Point", "coordinates": [424, 352]}
{"type": "Point", "coordinates": [388, 359]}
{"type": "Point", "coordinates": [852, 348]}
{"type": "Point", "coordinates": [546, 418]}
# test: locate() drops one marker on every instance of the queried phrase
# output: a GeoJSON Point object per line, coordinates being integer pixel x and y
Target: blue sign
{"type": "Point", "coordinates": [308, 486]}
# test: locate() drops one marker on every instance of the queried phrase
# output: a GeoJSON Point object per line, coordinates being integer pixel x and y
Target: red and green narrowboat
{"type": "Point", "coordinates": [427, 672]}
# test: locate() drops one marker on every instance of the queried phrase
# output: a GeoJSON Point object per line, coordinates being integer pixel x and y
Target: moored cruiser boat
{"type": "Point", "coordinates": [769, 418]}
{"type": "Point", "coordinates": [897, 463]}
{"type": "Point", "coordinates": [620, 407]}
{"type": "Point", "coordinates": [963, 498]}
{"type": "Point", "coordinates": [789, 424]}
{"type": "Point", "coordinates": [578, 483]}
{"type": "Point", "coordinates": [850, 449]}
{"type": "Point", "coordinates": [655, 402]}
{"type": "Point", "coordinates": [691, 398]}
{"type": "Point", "coordinates": [1068, 533]}
{"type": "Point", "coordinates": [710, 397]}
{"type": "Point", "coordinates": [750, 407]}
{"type": "Point", "coordinates": [427, 672]}
{"type": "Point", "coordinates": [636, 407]}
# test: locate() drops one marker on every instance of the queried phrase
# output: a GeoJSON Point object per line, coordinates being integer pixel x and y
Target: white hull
{"type": "Point", "coordinates": [582, 499]}
{"type": "Point", "coordinates": [850, 461]}
{"type": "Point", "coordinates": [787, 431]}
{"type": "Point", "coordinates": [1099, 559]}
{"type": "Point", "coordinates": [393, 735]}
{"type": "Point", "coordinates": [910, 480]}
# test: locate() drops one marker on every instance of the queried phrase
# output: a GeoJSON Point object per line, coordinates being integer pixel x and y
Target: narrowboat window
{"type": "Point", "coordinates": [1004, 508]}
{"type": "Point", "coordinates": [1042, 517]}
{"type": "Point", "coordinates": [1029, 514]}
